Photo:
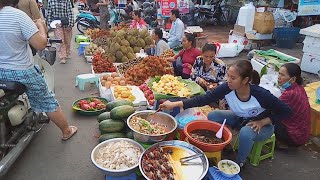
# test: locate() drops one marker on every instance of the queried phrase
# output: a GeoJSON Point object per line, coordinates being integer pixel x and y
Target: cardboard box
{"type": "Point", "coordinates": [310, 63]}
{"type": "Point", "coordinates": [257, 36]}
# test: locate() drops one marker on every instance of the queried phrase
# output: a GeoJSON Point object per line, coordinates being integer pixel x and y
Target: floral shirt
{"type": "Point", "coordinates": [215, 74]}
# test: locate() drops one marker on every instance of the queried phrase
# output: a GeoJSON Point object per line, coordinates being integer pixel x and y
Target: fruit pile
{"type": "Point", "coordinates": [96, 33]}
{"type": "Point", "coordinates": [167, 53]}
{"type": "Point", "coordinates": [111, 123]}
{"type": "Point", "coordinates": [92, 49]}
{"type": "Point", "coordinates": [124, 93]}
{"type": "Point", "coordinates": [108, 80]}
{"type": "Point", "coordinates": [150, 66]}
{"type": "Point", "coordinates": [92, 104]}
{"type": "Point", "coordinates": [123, 44]}
{"type": "Point", "coordinates": [147, 93]}
{"type": "Point", "coordinates": [101, 63]}
{"type": "Point", "coordinates": [169, 84]}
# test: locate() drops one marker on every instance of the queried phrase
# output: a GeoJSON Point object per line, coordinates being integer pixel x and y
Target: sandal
{"type": "Point", "coordinates": [73, 132]}
{"type": "Point", "coordinates": [63, 61]}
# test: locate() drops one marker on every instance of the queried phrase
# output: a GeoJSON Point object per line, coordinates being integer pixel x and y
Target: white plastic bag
{"type": "Point", "coordinates": [229, 50]}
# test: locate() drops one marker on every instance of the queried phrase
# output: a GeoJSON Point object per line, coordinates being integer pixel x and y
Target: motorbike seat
{"type": "Point", "coordinates": [83, 11]}
{"type": "Point", "coordinates": [13, 86]}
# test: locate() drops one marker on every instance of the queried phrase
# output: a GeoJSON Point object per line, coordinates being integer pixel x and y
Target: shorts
{"type": "Point", "coordinates": [40, 98]}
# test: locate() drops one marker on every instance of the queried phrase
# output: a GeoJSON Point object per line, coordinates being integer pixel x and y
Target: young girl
{"type": "Point", "coordinates": [208, 71]}
{"type": "Point", "coordinates": [252, 108]}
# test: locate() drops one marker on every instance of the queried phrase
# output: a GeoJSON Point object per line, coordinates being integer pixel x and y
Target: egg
{"type": "Point", "coordinates": [122, 83]}
{"type": "Point", "coordinates": [117, 79]}
{"type": "Point", "coordinates": [110, 79]}
{"type": "Point", "coordinates": [114, 74]}
{"type": "Point", "coordinates": [108, 84]}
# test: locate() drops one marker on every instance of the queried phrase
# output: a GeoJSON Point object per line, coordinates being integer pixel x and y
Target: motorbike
{"type": "Point", "coordinates": [18, 122]}
{"type": "Point", "coordinates": [212, 14]}
{"type": "Point", "coordinates": [149, 13]}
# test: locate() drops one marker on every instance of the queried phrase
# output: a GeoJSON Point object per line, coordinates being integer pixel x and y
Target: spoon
{"type": "Point", "coordinates": [153, 113]}
{"type": "Point", "coordinates": [219, 133]}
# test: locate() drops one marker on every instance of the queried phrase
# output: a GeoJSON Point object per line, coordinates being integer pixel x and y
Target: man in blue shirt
{"type": "Point", "coordinates": [177, 29]}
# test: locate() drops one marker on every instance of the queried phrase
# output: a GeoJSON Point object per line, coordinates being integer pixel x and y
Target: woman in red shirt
{"type": "Point", "coordinates": [295, 130]}
{"type": "Point", "coordinates": [188, 55]}
{"type": "Point", "coordinates": [137, 21]}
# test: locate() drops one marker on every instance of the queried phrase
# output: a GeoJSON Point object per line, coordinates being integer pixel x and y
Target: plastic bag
{"type": "Point", "coordinates": [189, 115]}
{"type": "Point", "coordinates": [263, 22]}
{"type": "Point", "coordinates": [229, 50]}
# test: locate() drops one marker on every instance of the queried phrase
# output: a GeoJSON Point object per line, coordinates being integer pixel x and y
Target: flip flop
{"type": "Point", "coordinates": [63, 61]}
{"type": "Point", "coordinates": [73, 131]}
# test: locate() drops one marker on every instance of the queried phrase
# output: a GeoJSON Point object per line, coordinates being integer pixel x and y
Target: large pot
{"type": "Point", "coordinates": [159, 117]}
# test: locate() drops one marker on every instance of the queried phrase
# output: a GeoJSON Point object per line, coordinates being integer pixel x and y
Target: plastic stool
{"type": "Point", "coordinates": [82, 47]}
{"type": "Point", "coordinates": [216, 156]}
{"type": "Point", "coordinates": [132, 176]}
{"type": "Point", "coordinates": [255, 154]}
{"type": "Point", "coordinates": [81, 38]}
{"type": "Point", "coordinates": [82, 79]}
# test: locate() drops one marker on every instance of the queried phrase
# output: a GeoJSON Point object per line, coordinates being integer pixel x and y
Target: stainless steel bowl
{"type": "Point", "coordinates": [109, 172]}
{"type": "Point", "coordinates": [195, 171]}
{"type": "Point", "coordinates": [159, 117]}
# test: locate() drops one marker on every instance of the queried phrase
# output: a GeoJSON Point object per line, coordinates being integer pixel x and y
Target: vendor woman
{"type": "Point", "coordinates": [208, 71]}
{"type": "Point", "coordinates": [183, 62]}
{"type": "Point", "coordinates": [252, 108]}
{"type": "Point", "coordinates": [294, 130]}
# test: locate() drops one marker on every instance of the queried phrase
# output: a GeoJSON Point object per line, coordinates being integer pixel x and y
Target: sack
{"type": "Point", "coordinates": [263, 22]}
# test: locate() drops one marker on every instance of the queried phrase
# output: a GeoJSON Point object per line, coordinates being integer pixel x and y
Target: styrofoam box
{"type": "Point", "coordinates": [313, 31]}
{"type": "Point", "coordinates": [240, 40]}
{"type": "Point", "coordinates": [311, 45]}
{"type": "Point", "coordinates": [310, 63]}
{"type": "Point", "coordinates": [140, 100]}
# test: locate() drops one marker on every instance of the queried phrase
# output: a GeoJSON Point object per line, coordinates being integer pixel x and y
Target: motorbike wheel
{"type": "Point", "coordinates": [82, 28]}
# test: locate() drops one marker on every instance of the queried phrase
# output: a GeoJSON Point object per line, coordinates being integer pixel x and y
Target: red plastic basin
{"type": "Point", "coordinates": [207, 125]}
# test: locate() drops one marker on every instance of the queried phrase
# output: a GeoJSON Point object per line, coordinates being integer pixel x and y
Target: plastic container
{"type": "Point", "coordinates": [286, 37]}
{"type": "Point", "coordinates": [246, 16]}
{"type": "Point", "coordinates": [207, 125]}
{"type": "Point", "coordinates": [185, 117]}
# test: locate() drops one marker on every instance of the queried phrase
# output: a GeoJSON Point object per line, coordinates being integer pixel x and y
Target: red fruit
{"type": "Point", "coordinates": [146, 94]}
{"type": "Point", "coordinates": [85, 107]}
{"type": "Point", "coordinates": [151, 96]}
{"type": "Point", "coordinates": [149, 92]}
{"type": "Point", "coordinates": [83, 102]}
{"type": "Point", "coordinates": [92, 104]}
{"type": "Point", "coordinates": [151, 102]}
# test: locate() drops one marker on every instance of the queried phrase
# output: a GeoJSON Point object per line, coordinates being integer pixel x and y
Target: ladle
{"type": "Point", "coordinates": [219, 133]}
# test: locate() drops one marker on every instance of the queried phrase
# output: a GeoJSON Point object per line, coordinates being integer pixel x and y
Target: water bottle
{"type": "Point", "coordinates": [246, 16]}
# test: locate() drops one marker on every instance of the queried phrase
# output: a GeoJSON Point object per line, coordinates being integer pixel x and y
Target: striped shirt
{"type": "Point", "coordinates": [16, 28]}
{"type": "Point", "coordinates": [58, 9]}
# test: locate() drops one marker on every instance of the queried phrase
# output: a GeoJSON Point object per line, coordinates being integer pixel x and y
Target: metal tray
{"type": "Point", "coordinates": [185, 172]}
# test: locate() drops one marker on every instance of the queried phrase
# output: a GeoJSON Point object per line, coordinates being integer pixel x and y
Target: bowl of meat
{"type": "Point", "coordinates": [150, 127]}
{"type": "Point", "coordinates": [202, 134]}
{"type": "Point", "coordinates": [117, 157]}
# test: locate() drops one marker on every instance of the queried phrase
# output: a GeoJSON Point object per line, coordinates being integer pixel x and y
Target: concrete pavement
{"type": "Point", "coordinates": [49, 158]}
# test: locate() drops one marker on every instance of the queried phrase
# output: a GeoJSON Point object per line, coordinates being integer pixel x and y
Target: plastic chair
{"type": "Point", "coordinates": [82, 79]}
{"type": "Point", "coordinates": [81, 38]}
{"type": "Point", "coordinates": [255, 155]}
{"type": "Point", "coordinates": [82, 47]}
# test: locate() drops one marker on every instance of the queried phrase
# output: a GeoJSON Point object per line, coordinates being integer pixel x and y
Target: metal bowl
{"type": "Point", "coordinates": [109, 172]}
{"type": "Point", "coordinates": [197, 171]}
{"type": "Point", "coordinates": [159, 117]}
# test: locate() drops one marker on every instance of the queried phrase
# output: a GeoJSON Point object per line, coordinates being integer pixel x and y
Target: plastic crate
{"type": "Point", "coordinates": [286, 37]}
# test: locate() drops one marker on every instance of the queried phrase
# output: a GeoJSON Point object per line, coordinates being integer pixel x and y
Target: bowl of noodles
{"type": "Point", "coordinates": [151, 128]}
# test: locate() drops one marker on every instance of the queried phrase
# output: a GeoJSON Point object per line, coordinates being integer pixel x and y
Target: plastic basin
{"type": "Point", "coordinates": [207, 125]}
